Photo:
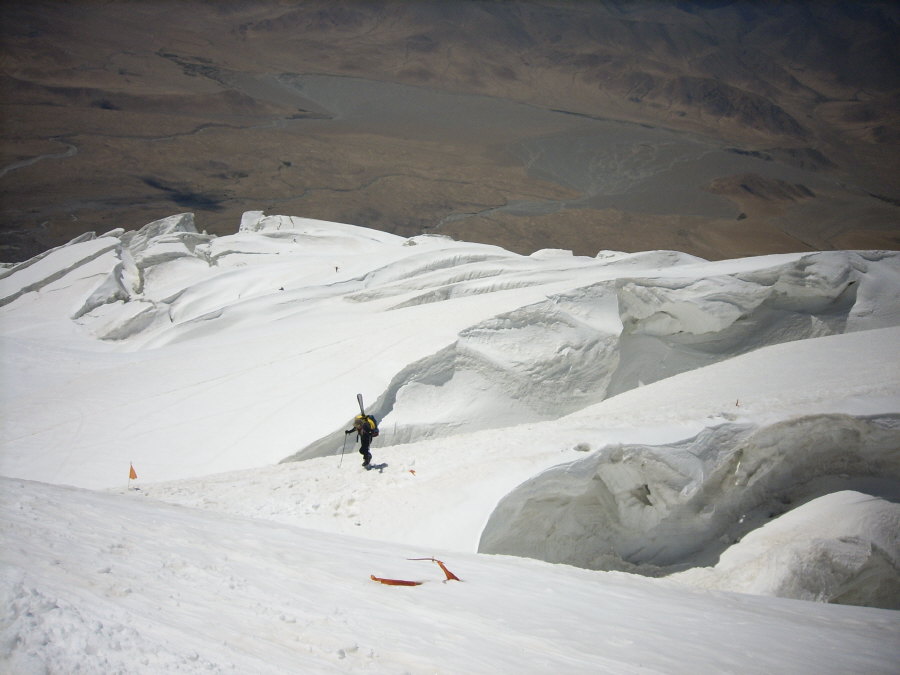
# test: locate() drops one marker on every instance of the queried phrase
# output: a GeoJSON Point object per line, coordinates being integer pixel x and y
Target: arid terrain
{"type": "Point", "coordinates": [716, 128]}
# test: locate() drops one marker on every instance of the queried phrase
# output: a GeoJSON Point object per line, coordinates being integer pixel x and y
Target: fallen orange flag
{"type": "Point", "coordinates": [395, 582]}
{"type": "Point", "coordinates": [450, 575]}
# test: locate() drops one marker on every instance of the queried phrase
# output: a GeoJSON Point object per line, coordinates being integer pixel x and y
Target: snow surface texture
{"type": "Point", "coordinates": [648, 412]}
{"type": "Point", "coordinates": [99, 583]}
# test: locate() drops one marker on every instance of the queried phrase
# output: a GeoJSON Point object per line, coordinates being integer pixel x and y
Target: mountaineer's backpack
{"type": "Point", "coordinates": [371, 422]}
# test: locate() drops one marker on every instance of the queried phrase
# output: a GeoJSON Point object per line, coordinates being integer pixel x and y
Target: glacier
{"type": "Point", "coordinates": [727, 426]}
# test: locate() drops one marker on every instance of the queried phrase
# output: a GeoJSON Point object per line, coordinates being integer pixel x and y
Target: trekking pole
{"type": "Point", "coordinates": [343, 447]}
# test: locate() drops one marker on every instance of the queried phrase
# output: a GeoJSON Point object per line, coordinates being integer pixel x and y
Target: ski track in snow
{"type": "Point", "coordinates": [683, 404]}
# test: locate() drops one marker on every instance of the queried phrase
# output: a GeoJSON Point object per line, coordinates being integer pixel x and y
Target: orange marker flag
{"type": "Point", "coordinates": [395, 582]}
{"type": "Point", "coordinates": [132, 474]}
{"type": "Point", "coordinates": [450, 576]}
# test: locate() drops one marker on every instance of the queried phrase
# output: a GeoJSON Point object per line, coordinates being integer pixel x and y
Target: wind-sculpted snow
{"type": "Point", "coordinates": [536, 362]}
{"type": "Point", "coordinates": [433, 268]}
{"type": "Point", "coordinates": [671, 322]}
{"type": "Point", "coordinates": [325, 232]}
{"type": "Point", "coordinates": [546, 360]}
{"type": "Point", "coordinates": [536, 403]}
{"type": "Point", "coordinates": [655, 509]}
{"type": "Point", "coordinates": [551, 332]}
{"type": "Point", "coordinates": [43, 270]}
{"type": "Point", "coordinates": [674, 325]}
{"type": "Point", "coordinates": [163, 240]}
{"type": "Point", "coordinates": [443, 275]}
{"type": "Point", "coordinates": [556, 355]}
{"type": "Point", "coordinates": [516, 338]}
{"type": "Point", "coordinates": [840, 548]}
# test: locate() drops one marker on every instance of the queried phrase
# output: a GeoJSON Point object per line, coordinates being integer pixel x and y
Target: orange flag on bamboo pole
{"type": "Point", "coordinates": [450, 576]}
{"type": "Point", "coordinates": [132, 474]}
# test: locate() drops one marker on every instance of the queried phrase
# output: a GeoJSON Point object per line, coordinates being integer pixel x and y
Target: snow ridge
{"type": "Point", "coordinates": [657, 509]}
{"type": "Point", "coordinates": [577, 347]}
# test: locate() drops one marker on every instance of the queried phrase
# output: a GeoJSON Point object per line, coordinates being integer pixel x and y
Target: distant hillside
{"type": "Point", "coordinates": [118, 113]}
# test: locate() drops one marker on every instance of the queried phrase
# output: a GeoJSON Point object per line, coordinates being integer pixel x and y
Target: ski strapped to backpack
{"type": "Point", "coordinates": [371, 421]}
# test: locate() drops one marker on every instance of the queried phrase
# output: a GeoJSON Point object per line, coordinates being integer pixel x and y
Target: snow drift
{"type": "Point", "coordinates": [659, 508]}
{"type": "Point", "coordinates": [841, 548]}
{"type": "Point", "coordinates": [519, 337]}
{"type": "Point", "coordinates": [575, 348]}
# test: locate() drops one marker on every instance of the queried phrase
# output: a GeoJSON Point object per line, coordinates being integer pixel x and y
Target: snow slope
{"type": "Point", "coordinates": [648, 412]}
{"type": "Point", "coordinates": [459, 479]}
{"type": "Point", "coordinates": [101, 583]}
{"type": "Point", "coordinates": [266, 336]}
